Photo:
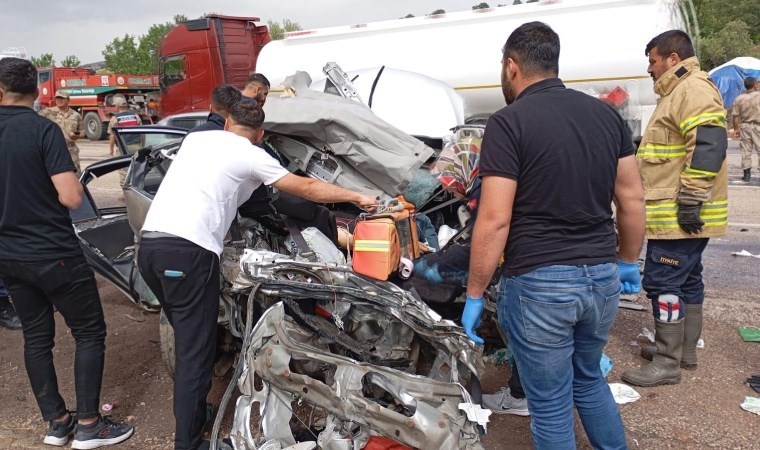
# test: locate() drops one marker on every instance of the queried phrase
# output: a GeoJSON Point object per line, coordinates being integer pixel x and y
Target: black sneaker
{"type": "Point", "coordinates": [58, 432]}
{"type": "Point", "coordinates": [8, 317]}
{"type": "Point", "coordinates": [106, 432]}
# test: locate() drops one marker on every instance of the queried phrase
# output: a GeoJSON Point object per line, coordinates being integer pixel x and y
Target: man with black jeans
{"type": "Point", "coordinates": [182, 239]}
{"type": "Point", "coordinates": [42, 264]}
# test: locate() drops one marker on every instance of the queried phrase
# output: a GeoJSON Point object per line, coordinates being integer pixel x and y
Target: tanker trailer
{"type": "Point", "coordinates": [602, 50]}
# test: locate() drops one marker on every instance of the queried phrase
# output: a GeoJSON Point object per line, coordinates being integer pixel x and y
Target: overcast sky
{"type": "Point", "coordinates": [84, 27]}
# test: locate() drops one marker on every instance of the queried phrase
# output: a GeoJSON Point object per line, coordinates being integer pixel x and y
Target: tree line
{"type": "Point", "coordinates": [727, 29]}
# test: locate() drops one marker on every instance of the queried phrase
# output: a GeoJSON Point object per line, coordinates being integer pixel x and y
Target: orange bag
{"type": "Point", "coordinates": [381, 240]}
{"type": "Point", "coordinates": [376, 247]}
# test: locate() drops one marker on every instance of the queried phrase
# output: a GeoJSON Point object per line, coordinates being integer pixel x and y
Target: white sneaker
{"type": "Point", "coordinates": [502, 402]}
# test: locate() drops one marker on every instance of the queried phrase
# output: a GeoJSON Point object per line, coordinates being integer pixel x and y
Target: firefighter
{"type": "Point", "coordinates": [69, 121]}
{"type": "Point", "coordinates": [682, 161]}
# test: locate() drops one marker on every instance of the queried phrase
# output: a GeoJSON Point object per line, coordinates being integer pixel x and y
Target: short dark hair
{"type": "Point", "coordinates": [534, 46]}
{"type": "Point", "coordinates": [750, 82]}
{"type": "Point", "coordinates": [673, 41]}
{"type": "Point", "coordinates": [247, 114]}
{"type": "Point", "coordinates": [18, 76]}
{"type": "Point", "coordinates": [258, 79]}
{"type": "Point", "coordinates": [224, 96]}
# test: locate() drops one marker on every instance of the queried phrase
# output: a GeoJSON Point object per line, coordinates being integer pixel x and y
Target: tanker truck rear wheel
{"type": "Point", "coordinates": [166, 333]}
{"type": "Point", "coordinates": [477, 119]}
{"type": "Point", "coordinates": [94, 129]}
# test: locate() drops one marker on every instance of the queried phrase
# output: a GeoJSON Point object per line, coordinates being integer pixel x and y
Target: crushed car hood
{"type": "Point", "coordinates": [340, 128]}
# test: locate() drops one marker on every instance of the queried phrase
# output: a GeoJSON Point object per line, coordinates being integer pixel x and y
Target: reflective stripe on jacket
{"type": "Point", "coordinates": [682, 156]}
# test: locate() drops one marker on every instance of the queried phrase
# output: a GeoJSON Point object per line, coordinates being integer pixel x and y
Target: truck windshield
{"type": "Point", "coordinates": [171, 70]}
{"type": "Point", "coordinates": [43, 76]}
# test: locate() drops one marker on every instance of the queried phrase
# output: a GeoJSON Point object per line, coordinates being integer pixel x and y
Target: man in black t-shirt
{"type": "Point", "coordinates": [42, 264]}
{"type": "Point", "coordinates": [552, 162]}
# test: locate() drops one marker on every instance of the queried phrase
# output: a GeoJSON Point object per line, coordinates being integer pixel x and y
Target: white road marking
{"type": "Point", "coordinates": [744, 225]}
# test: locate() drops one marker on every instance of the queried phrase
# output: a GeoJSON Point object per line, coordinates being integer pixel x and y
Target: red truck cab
{"type": "Point", "coordinates": [197, 55]}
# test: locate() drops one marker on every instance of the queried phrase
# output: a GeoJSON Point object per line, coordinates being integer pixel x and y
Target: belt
{"type": "Point", "coordinates": [156, 235]}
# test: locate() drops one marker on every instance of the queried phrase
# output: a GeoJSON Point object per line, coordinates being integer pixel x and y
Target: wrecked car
{"type": "Point", "coordinates": [327, 356]}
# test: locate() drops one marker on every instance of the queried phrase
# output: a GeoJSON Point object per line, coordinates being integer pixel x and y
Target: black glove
{"type": "Point", "coordinates": [688, 218]}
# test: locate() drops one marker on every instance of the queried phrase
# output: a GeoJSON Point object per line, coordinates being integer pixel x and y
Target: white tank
{"type": "Point", "coordinates": [602, 47]}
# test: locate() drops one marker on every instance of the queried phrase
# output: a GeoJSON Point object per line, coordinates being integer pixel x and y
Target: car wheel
{"type": "Point", "coordinates": [94, 129]}
{"type": "Point", "coordinates": [166, 333]}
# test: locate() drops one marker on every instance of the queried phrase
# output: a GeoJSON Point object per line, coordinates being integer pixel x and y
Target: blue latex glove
{"type": "Point", "coordinates": [630, 279]}
{"type": "Point", "coordinates": [473, 308]}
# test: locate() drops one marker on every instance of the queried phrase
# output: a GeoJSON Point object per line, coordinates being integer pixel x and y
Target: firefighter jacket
{"type": "Point", "coordinates": [682, 156]}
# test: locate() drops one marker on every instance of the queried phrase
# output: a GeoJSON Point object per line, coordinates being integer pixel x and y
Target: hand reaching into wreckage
{"type": "Point", "coordinates": [366, 202]}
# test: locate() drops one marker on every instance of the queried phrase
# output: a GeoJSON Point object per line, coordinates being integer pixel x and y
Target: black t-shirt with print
{"type": "Point", "coordinates": [562, 147]}
{"type": "Point", "coordinates": [34, 225]}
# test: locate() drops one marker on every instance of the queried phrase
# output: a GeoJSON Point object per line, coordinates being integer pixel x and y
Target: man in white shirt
{"type": "Point", "coordinates": [213, 174]}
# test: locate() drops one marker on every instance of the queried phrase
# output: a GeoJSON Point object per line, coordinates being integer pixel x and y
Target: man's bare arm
{"type": "Point", "coordinates": [631, 212]}
{"type": "Point", "coordinates": [69, 189]}
{"type": "Point", "coordinates": [737, 124]}
{"type": "Point", "coordinates": [111, 142]}
{"type": "Point", "coordinates": [491, 231]}
{"type": "Point", "coordinates": [321, 192]}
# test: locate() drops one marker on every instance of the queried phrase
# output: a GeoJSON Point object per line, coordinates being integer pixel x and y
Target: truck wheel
{"type": "Point", "coordinates": [477, 119]}
{"type": "Point", "coordinates": [94, 129]}
{"type": "Point", "coordinates": [166, 333]}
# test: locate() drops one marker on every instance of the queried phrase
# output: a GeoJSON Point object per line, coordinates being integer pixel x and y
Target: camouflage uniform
{"type": "Point", "coordinates": [70, 121]}
{"type": "Point", "coordinates": [747, 107]}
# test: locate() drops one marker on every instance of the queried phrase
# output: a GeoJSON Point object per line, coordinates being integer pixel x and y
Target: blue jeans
{"type": "Point", "coordinates": [3, 290]}
{"type": "Point", "coordinates": [558, 319]}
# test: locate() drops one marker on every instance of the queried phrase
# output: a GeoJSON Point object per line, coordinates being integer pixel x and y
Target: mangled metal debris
{"type": "Point", "coordinates": [343, 358]}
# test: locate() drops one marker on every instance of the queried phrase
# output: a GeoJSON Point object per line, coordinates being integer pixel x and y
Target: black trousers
{"type": "Point", "coordinates": [69, 286]}
{"type": "Point", "coordinates": [515, 386]}
{"type": "Point", "coordinates": [185, 279]}
{"type": "Point", "coordinates": [674, 267]}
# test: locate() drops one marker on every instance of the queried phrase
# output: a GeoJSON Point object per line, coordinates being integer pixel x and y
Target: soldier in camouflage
{"type": "Point", "coordinates": [70, 122]}
{"type": "Point", "coordinates": [747, 124]}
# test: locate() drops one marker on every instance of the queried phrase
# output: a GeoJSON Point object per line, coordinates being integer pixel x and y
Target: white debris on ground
{"type": "Point", "coordinates": [475, 413]}
{"type": "Point", "coordinates": [751, 404]}
{"type": "Point", "coordinates": [647, 335]}
{"type": "Point", "coordinates": [744, 253]}
{"type": "Point", "coordinates": [623, 393]}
